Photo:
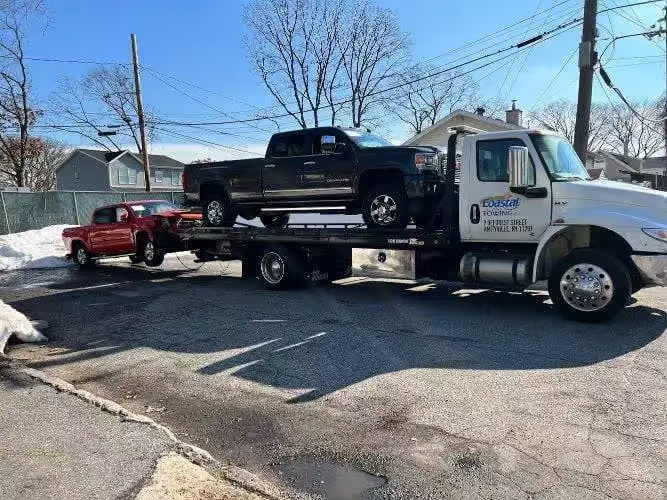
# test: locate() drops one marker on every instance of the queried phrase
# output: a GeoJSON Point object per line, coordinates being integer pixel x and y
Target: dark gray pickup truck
{"type": "Point", "coordinates": [327, 169]}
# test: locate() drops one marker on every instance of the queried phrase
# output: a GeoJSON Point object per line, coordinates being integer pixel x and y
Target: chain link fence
{"type": "Point", "coordinates": [26, 211]}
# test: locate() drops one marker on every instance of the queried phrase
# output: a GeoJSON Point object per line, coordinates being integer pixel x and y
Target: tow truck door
{"type": "Point", "coordinates": [489, 211]}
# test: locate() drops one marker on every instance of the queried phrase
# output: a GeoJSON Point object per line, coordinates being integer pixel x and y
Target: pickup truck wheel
{"type": "Point", "coordinates": [218, 212]}
{"type": "Point", "coordinates": [589, 286]}
{"type": "Point", "coordinates": [81, 256]}
{"type": "Point", "coordinates": [136, 259]}
{"type": "Point", "coordinates": [385, 207]}
{"type": "Point", "coordinates": [152, 256]}
{"type": "Point", "coordinates": [280, 268]}
{"type": "Point", "coordinates": [275, 221]}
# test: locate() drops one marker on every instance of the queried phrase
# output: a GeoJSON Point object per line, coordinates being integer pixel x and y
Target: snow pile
{"type": "Point", "coordinates": [13, 322]}
{"type": "Point", "coordinates": [33, 249]}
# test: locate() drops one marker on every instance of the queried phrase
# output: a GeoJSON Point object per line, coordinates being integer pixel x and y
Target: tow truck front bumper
{"type": "Point", "coordinates": [652, 268]}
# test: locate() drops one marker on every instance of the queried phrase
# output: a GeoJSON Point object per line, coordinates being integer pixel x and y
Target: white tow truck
{"type": "Point", "coordinates": [522, 210]}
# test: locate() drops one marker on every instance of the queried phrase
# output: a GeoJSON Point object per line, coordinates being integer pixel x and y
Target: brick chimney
{"type": "Point", "coordinates": [514, 116]}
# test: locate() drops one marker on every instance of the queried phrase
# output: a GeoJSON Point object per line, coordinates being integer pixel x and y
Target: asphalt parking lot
{"type": "Point", "coordinates": [368, 389]}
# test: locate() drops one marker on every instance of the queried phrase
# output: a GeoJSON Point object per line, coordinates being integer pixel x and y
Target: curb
{"type": "Point", "coordinates": [238, 476]}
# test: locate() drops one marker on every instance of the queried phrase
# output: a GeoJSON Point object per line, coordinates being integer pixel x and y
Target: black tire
{"type": "Point", "coordinates": [218, 212]}
{"type": "Point", "coordinates": [274, 221]}
{"type": "Point", "coordinates": [136, 259]}
{"type": "Point", "coordinates": [152, 255]}
{"type": "Point", "coordinates": [81, 255]}
{"type": "Point", "coordinates": [386, 207]}
{"type": "Point", "coordinates": [605, 294]}
{"type": "Point", "coordinates": [281, 268]}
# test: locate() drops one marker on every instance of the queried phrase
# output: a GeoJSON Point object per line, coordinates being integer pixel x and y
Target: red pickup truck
{"type": "Point", "coordinates": [143, 230]}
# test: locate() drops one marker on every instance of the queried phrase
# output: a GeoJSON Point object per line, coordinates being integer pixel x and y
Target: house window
{"type": "Point", "coordinates": [127, 176]}
{"type": "Point", "coordinates": [176, 177]}
{"type": "Point", "coordinates": [159, 177]}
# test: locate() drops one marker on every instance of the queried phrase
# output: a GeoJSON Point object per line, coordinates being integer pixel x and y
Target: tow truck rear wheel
{"type": "Point", "coordinates": [153, 257]}
{"type": "Point", "coordinates": [589, 286]}
{"type": "Point", "coordinates": [281, 268]}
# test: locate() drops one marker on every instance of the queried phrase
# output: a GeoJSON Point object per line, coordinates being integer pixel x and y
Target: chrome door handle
{"type": "Point", "coordinates": [309, 163]}
{"type": "Point", "coordinates": [269, 166]}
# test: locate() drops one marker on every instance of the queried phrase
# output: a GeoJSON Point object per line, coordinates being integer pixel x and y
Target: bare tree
{"type": "Point", "coordinates": [636, 136]}
{"type": "Point", "coordinates": [292, 44]}
{"type": "Point", "coordinates": [420, 101]}
{"type": "Point", "coordinates": [103, 98]}
{"type": "Point", "coordinates": [316, 56]}
{"type": "Point", "coordinates": [17, 114]}
{"type": "Point", "coordinates": [560, 116]}
{"type": "Point", "coordinates": [373, 49]}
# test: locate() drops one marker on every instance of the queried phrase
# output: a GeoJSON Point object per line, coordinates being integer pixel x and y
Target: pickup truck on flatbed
{"type": "Point", "coordinates": [143, 230]}
{"type": "Point", "coordinates": [326, 169]}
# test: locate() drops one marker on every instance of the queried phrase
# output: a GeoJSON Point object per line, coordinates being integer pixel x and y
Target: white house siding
{"type": "Point", "coordinates": [439, 135]}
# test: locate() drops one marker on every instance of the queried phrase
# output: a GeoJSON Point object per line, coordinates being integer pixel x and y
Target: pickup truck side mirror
{"type": "Point", "coordinates": [518, 168]}
{"type": "Point", "coordinates": [125, 218]}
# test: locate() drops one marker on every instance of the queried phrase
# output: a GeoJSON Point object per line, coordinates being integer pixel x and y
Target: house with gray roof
{"type": "Point", "coordinates": [98, 170]}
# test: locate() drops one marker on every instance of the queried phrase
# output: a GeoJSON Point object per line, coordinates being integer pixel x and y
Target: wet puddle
{"type": "Point", "coordinates": [330, 480]}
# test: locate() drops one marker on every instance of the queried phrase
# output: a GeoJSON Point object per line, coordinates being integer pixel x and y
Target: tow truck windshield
{"type": "Point", "coordinates": [560, 158]}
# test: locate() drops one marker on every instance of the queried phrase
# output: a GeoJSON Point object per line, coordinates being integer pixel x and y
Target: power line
{"type": "Point", "coordinates": [553, 80]}
{"type": "Point", "coordinates": [184, 136]}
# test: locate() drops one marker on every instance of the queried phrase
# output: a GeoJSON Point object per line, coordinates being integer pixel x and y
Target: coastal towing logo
{"type": "Point", "coordinates": [504, 202]}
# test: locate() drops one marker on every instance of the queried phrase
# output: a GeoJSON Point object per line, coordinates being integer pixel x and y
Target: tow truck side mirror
{"type": "Point", "coordinates": [518, 168]}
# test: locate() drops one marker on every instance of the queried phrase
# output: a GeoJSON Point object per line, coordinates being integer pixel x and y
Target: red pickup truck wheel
{"type": "Point", "coordinates": [81, 255]}
{"type": "Point", "coordinates": [153, 257]}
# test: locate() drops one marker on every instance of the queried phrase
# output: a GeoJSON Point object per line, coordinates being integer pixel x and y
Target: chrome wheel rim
{"type": "Point", "coordinates": [384, 210]}
{"type": "Point", "coordinates": [149, 251]}
{"type": "Point", "coordinates": [214, 212]}
{"type": "Point", "coordinates": [272, 267]}
{"type": "Point", "coordinates": [81, 255]}
{"type": "Point", "coordinates": [587, 287]}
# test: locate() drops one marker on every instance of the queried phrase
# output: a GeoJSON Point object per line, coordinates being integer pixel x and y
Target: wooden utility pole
{"type": "Point", "coordinates": [140, 113]}
{"type": "Point", "coordinates": [587, 60]}
{"type": "Point", "coordinates": [664, 116]}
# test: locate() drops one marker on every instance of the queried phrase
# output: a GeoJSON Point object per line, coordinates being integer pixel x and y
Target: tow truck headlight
{"type": "Point", "coordinates": [657, 233]}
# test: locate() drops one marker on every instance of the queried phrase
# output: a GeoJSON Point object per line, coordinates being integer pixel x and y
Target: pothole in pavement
{"type": "Point", "coordinates": [328, 479]}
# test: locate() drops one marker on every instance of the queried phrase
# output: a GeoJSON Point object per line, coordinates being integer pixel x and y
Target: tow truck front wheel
{"type": "Point", "coordinates": [590, 286]}
{"type": "Point", "coordinates": [281, 268]}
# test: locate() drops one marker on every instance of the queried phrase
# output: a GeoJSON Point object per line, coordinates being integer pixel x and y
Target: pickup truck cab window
{"type": "Point", "coordinates": [290, 145]}
{"type": "Point", "coordinates": [492, 160]}
{"type": "Point", "coordinates": [104, 216]}
{"type": "Point", "coordinates": [121, 214]}
{"type": "Point", "coordinates": [318, 138]}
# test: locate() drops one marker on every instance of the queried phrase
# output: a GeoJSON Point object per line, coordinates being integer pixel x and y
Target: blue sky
{"type": "Point", "coordinates": [200, 42]}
